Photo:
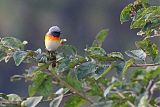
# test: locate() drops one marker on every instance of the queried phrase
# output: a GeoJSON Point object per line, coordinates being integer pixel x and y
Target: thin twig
{"type": "Point", "coordinates": [158, 35]}
{"type": "Point", "coordinates": [122, 96]}
{"type": "Point", "coordinates": [144, 65]}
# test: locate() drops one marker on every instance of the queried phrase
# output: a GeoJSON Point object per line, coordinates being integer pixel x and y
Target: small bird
{"type": "Point", "coordinates": [52, 38]}
{"type": "Point", "coordinates": [52, 42]}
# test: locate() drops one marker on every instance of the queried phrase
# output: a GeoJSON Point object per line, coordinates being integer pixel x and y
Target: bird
{"type": "Point", "coordinates": [52, 42]}
{"type": "Point", "coordinates": [52, 39]}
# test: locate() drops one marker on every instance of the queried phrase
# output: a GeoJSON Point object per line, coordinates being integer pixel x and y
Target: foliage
{"type": "Point", "coordinates": [85, 80]}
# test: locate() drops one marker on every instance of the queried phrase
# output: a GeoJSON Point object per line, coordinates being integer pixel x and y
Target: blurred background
{"type": "Point", "coordinates": [79, 20]}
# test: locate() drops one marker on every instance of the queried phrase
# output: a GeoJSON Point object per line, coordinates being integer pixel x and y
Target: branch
{"type": "Point", "coordinates": [144, 65]}
{"type": "Point", "coordinates": [65, 84]}
{"type": "Point", "coordinates": [122, 96]}
{"type": "Point", "coordinates": [158, 35]}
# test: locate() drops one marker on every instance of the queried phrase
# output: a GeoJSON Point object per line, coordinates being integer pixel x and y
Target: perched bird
{"type": "Point", "coordinates": [52, 42]}
{"type": "Point", "coordinates": [52, 38]}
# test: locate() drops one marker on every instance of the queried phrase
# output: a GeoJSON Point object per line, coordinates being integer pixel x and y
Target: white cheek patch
{"type": "Point", "coordinates": [52, 45]}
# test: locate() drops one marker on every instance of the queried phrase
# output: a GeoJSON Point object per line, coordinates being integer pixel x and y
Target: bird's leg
{"type": "Point", "coordinates": [52, 57]}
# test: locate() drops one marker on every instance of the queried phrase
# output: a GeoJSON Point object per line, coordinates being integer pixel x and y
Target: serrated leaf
{"type": "Point", "coordinates": [56, 101]}
{"type": "Point", "coordinates": [12, 42]}
{"type": "Point", "coordinates": [19, 56]}
{"type": "Point", "coordinates": [127, 65]}
{"type": "Point", "coordinates": [74, 101]}
{"type": "Point", "coordinates": [42, 84]}
{"type": "Point", "coordinates": [137, 54]}
{"type": "Point", "coordinates": [31, 101]}
{"type": "Point", "coordinates": [125, 13]}
{"type": "Point", "coordinates": [101, 36]}
{"type": "Point", "coordinates": [14, 97]}
{"type": "Point", "coordinates": [85, 69]}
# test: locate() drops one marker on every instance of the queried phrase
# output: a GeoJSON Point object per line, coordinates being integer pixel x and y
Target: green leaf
{"type": "Point", "coordinates": [2, 95]}
{"type": "Point", "coordinates": [143, 1]}
{"type": "Point", "coordinates": [63, 65]}
{"type": "Point", "coordinates": [101, 36]}
{"type": "Point", "coordinates": [148, 47]}
{"type": "Point", "coordinates": [109, 88]}
{"type": "Point", "coordinates": [107, 70]}
{"type": "Point", "coordinates": [12, 43]}
{"type": "Point", "coordinates": [127, 65]}
{"type": "Point", "coordinates": [147, 13]}
{"type": "Point", "coordinates": [152, 73]}
{"type": "Point", "coordinates": [157, 59]}
{"type": "Point", "coordinates": [2, 56]}
{"type": "Point", "coordinates": [147, 19]}
{"type": "Point", "coordinates": [151, 25]}
{"type": "Point", "coordinates": [137, 54]}
{"type": "Point", "coordinates": [95, 90]}
{"type": "Point", "coordinates": [143, 101]}
{"type": "Point", "coordinates": [115, 56]}
{"type": "Point", "coordinates": [97, 53]}
{"type": "Point", "coordinates": [138, 24]}
{"type": "Point", "coordinates": [138, 75]}
{"type": "Point", "coordinates": [42, 84]}
{"type": "Point", "coordinates": [125, 14]}
{"type": "Point", "coordinates": [68, 48]}
{"type": "Point", "coordinates": [56, 101]}
{"type": "Point", "coordinates": [31, 101]}
{"type": "Point", "coordinates": [85, 69]}
{"type": "Point", "coordinates": [74, 101]}
{"type": "Point", "coordinates": [19, 56]}
{"type": "Point", "coordinates": [76, 61]}
{"type": "Point", "coordinates": [73, 81]}
{"type": "Point", "coordinates": [14, 97]}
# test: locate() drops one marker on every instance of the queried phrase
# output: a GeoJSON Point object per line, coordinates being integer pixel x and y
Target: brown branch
{"type": "Point", "coordinates": [158, 35]}
{"type": "Point", "coordinates": [65, 84]}
{"type": "Point", "coordinates": [144, 65]}
{"type": "Point", "coordinates": [122, 96]}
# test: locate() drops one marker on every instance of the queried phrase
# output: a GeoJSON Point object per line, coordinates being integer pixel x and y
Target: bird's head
{"type": "Point", "coordinates": [54, 31]}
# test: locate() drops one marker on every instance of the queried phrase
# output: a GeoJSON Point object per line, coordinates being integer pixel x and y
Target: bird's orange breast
{"type": "Point", "coordinates": [52, 38]}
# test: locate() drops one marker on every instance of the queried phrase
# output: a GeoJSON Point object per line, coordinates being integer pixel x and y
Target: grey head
{"type": "Point", "coordinates": [54, 31]}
